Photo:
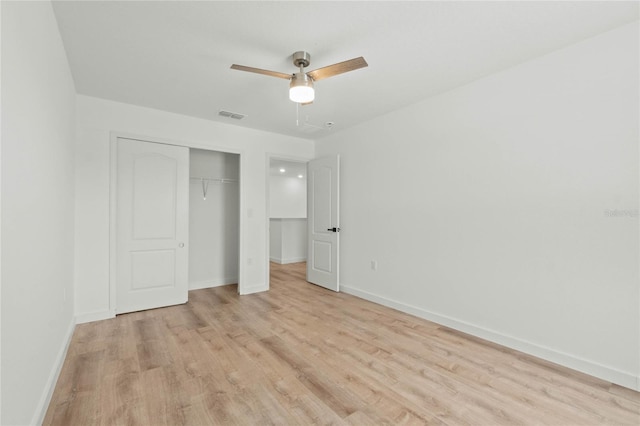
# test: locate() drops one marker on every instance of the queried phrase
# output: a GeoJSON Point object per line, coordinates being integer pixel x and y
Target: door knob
{"type": "Point", "coordinates": [181, 245]}
{"type": "Point", "coordinates": [333, 229]}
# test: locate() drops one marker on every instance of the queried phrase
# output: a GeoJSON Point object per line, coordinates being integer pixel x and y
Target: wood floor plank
{"type": "Point", "coordinates": [121, 395]}
{"type": "Point", "coordinates": [302, 355]}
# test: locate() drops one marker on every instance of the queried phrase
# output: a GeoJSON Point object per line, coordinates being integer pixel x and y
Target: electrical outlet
{"type": "Point", "coordinates": [374, 265]}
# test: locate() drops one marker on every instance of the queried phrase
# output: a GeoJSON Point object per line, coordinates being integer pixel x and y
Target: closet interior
{"type": "Point", "coordinates": [214, 213]}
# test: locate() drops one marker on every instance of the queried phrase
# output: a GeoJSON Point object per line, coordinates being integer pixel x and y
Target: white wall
{"type": "Point", "coordinates": [214, 221]}
{"type": "Point", "coordinates": [488, 208]}
{"type": "Point", "coordinates": [288, 240]}
{"type": "Point", "coordinates": [97, 120]}
{"type": "Point", "coordinates": [287, 196]}
{"type": "Point", "coordinates": [275, 240]}
{"type": "Point", "coordinates": [294, 240]}
{"type": "Point", "coordinates": [38, 107]}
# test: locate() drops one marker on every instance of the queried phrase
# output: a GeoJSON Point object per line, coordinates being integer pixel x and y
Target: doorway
{"type": "Point", "coordinates": [287, 211]}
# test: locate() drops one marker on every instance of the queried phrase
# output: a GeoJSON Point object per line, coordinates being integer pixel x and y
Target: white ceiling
{"type": "Point", "coordinates": [175, 56]}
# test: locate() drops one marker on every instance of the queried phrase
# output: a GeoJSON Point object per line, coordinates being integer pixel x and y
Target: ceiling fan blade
{"type": "Point", "coordinates": [261, 71]}
{"type": "Point", "coordinates": [339, 68]}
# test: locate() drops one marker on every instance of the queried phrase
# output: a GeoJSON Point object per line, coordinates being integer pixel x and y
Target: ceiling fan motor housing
{"type": "Point", "coordinates": [300, 79]}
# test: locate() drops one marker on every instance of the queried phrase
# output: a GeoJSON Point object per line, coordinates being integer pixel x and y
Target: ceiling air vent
{"type": "Point", "coordinates": [234, 115]}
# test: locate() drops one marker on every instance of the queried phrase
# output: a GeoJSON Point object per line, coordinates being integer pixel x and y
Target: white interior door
{"type": "Point", "coordinates": [323, 222]}
{"type": "Point", "coordinates": [152, 225]}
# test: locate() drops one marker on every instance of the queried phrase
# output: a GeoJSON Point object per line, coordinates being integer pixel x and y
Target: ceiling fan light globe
{"type": "Point", "coordinates": [301, 88]}
{"type": "Point", "coordinates": [301, 94]}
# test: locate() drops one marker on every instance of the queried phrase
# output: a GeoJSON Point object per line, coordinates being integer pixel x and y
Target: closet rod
{"type": "Point", "coordinates": [221, 180]}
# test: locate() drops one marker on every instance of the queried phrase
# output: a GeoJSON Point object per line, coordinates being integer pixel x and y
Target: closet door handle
{"type": "Point", "coordinates": [181, 245]}
{"type": "Point", "coordinates": [333, 229]}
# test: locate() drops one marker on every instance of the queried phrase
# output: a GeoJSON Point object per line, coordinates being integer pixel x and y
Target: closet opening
{"type": "Point", "coordinates": [214, 218]}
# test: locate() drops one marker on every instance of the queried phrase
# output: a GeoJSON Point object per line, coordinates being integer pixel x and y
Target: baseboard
{"type": "Point", "coordinates": [288, 260]}
{"type": "Point", "coordinates": [256, 288]}
{"type": "Point", "coordinates": [294, 260]}
{"type": "Point", "coordinates": [95, 316]}
{"type": "Point", "coordinates": [603, 372]}
{"type": "Point", "coordinates": [212, 283]}
{"type": "Point", "coordinates": [45, 399]}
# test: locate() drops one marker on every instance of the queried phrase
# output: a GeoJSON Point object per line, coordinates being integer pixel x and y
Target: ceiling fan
{"type": "Point", "coordinates": [301, 83]}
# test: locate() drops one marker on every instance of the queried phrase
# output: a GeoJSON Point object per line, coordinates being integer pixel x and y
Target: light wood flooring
{"type": "Point", "coordinates": [299, 355]}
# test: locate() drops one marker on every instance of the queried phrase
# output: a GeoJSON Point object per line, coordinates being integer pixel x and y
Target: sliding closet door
{"type": "Point", "coordinates": [152, 225]}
